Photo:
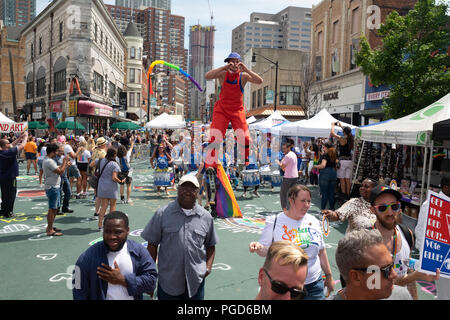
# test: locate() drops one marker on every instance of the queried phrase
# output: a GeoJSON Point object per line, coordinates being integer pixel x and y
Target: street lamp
{"type": "Point", "coordinates": [276, 77]}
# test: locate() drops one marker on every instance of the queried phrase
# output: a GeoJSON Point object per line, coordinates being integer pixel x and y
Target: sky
{"type": "Point", "coordinates": [227, 15]}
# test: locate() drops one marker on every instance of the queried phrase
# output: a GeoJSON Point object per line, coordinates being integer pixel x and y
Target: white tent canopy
{"type": "Point", "coordinates": [165, 121]}
{"type": "Point", "coordinates": [274, 119]}
{"type": "Point", "coordinates": [251, 120]}
{"type": "Point", "coordinates": [5, 119]}
{"type": "Point", "coordinates": [414, 129]}
{"type": "Point", "coordinates": [318, 126]}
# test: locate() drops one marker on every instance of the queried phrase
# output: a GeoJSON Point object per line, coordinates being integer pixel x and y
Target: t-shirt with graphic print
{"type": "Point", "coordinates": [306, 233]}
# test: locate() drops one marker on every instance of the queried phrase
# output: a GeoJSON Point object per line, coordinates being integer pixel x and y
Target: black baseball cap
{"type": "Point", "coordinates": [380, 189]}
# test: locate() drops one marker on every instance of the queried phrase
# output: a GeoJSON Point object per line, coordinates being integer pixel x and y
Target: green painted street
{"type": "Point", "coordinates": [35, 266]}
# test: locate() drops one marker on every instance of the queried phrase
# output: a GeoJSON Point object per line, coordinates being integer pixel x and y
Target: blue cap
{"type": "Point", "coordinates": [233, 55]}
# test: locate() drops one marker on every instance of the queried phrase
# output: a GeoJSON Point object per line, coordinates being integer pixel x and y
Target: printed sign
{"type": "Point", "coordinates": [7, 127]}
{"type": "Point", "coordinates": [435, 248]}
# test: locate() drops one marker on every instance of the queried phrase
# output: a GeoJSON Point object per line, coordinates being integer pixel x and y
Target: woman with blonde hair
{"type": "Point", "coordinates": [83, 158]}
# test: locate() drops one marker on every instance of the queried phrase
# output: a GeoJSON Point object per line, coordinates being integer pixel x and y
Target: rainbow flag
{"type": "Point", "coordinates": [226, 204]}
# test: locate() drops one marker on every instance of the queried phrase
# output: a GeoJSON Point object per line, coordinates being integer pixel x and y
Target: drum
{"type": "Point", "coordinates": [276, 179]}
{"type": "Point", "coordinates": [162, 179]}
{"type": "Point", "coordinates": [265, 173]}
{"type": "Point", "coordinates": [250, 178]}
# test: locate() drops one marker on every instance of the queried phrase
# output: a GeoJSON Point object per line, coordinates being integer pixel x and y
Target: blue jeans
{"type": "Point", "coordinates": [200, 295]}
{"type": "Point", "coordinates": [315, 290]}
{"type": "Point", "coordinates": [65, 188]}
{"type": "Point", "coordinates": [327, 184]}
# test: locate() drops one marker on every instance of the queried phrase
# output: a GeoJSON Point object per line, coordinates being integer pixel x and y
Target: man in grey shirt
{"type": "Point", "coordinates": [185, 235]}
{"type": "Point", "coordinates": [52, 175]}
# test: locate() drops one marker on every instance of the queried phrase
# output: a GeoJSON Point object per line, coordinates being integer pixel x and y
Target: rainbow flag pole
{"type": "Point", "coordinates": [226, 204]}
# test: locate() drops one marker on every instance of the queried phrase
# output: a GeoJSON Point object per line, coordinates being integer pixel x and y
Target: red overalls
{"type": "Point", "coordinates": [229, 107]}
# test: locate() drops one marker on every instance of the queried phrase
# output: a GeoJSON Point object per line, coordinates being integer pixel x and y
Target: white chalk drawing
{"type": "Point", "coordinates": [221, 266]}
{"type": "Point", "coordinates": [47, 256]}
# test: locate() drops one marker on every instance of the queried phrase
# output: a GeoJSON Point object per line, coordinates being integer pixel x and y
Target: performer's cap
{"type": "Point", "coordinates": [380, 189]}
{"type": "Point", "coordinates": [233, 55]}
{"type": "Point", "coordinates": [100, 141]}
{"type": "Point", "coordinates": [189, 178]}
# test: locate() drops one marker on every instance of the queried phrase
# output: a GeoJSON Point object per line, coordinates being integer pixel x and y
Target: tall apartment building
{"type": "Point", "coordinates": [142, 4]}
{"type": "Point", "coordinates": [288, 29]}
{"type": "Point", "coordinates": [201, 60]}
{"type": "Point", "coordinates": [340, 86]}
{"type": "Point", "coordinates": [17, 12]}
{"type": "Point", "coordinates": [163, 35]}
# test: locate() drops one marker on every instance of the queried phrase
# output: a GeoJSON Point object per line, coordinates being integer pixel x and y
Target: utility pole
{"type": "Point", "coordinates": [13, 86]}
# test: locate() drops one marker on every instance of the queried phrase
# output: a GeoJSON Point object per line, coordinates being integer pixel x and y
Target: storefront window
{"type": "Point", "coordinates": [98, 83]}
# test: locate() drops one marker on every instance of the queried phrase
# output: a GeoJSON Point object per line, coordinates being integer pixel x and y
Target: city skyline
{"type": "Point", "coordinates": [198, 13]}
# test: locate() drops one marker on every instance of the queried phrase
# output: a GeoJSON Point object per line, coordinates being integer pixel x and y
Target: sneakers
{"type": "Point", "coordinates": [122, 199]}
{"type": "Point", "coordinates": [244, 195]}
{"type": "Point", "coordinates": [256, 194]}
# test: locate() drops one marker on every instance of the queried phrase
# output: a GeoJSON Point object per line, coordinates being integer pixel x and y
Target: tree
{"type": "Point", "coordinates": [413, 58]}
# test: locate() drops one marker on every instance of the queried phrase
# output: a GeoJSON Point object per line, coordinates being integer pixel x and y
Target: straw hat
{"type": "Point", "coordinates": [100, 142]}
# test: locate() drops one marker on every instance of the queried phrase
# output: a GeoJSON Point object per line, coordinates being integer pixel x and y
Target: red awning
{"type": "Point", "coordinates": [90, 108]}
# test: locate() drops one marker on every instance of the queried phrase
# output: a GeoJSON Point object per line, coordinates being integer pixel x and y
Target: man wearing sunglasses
{"type": "Point", "coordinates": [386, 206]}
{"type": "Point", "coordinates": [367, 267]}
{"type": "Point", "coordinates": [283, 274]}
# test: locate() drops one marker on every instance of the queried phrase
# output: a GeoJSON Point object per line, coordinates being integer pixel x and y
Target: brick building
{"type": "Point", "coordinates": [340, 86]}
{"type": "Point", "coordinates": [10, 40]}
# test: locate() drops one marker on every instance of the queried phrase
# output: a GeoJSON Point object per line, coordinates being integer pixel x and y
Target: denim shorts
{"type": "Point", "coordinates": [73, 171]}
{"type": "Point", "coordinates": [54, 197]}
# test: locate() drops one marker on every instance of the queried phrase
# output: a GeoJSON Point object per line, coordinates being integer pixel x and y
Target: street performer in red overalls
{"type": "Point", "coordinates": [230, 107]}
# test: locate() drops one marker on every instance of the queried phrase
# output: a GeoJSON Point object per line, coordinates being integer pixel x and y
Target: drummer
{"type": "Point", "coordinates": [251, 166]}
{"type": "Point", "coordinates": [163, 159]}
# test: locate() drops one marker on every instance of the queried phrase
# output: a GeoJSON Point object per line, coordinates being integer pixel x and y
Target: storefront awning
{"type": "Point", "coordinates": [90, 108]}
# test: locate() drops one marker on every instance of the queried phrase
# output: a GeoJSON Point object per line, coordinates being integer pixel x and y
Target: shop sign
{"type": "Point", "coordinates": [378, 95]}
{"type": "Point", "coordinates": [331, 96]}
{"type": "Point", "coordinates": [103, 112]}
{"type": "Point", "coordinates": [56, 106]}
{"type": "Point", "coordinates": [36, 115]}
{"type": "Point", "coordinates": [72, 112]}
{"type": "Point", "coordinates": [435, 251]}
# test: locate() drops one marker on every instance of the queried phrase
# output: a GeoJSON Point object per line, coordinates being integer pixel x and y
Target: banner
{"type": "Point", "coordinates": [16, 127]}
{"type": "Point", "coordinates": [434, 253]}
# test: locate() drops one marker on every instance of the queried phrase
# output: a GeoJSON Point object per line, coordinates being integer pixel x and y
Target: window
{"type": "Point", "coordinates": [133, 53]}
{"type": "Point", "coordinates": [290, 95]}
{"type": "Point", "coordinates": [132, 100]}
{"type": "Point", "coordinates": [98, 83]}
{"type": "Point", "coordinates": [265, 94]}
{"type": "Point", "coordinates": [40, 45]}
{"type": "Point", "coordinates": [319, 42]}
{"type": "Point", "coordinates": [259, 97]}
{"type": "Point", "coordinates": [253, 99]}
{"type": "Point", "coordinates": [356, 20]}
{"type": "Point", "coordinates": [59, 81]}
{"type": "Point", "coordinates": [30, 89]}
{"type": "Point", "coordinates": [335, 31]}
{"type": "Point", "coordinates": [95, 32]}
{"type": "Point", "coordinates": [112, 90]}
{"type": "Point", "coordinates": [132, 75]}
{"type": "Point", "coordinates": [40, 87]}
{"type": "Point", "coordinates": [60, 32]}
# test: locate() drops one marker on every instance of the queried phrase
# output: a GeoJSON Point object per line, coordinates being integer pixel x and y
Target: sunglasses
{"type": "Point", "coordinates": [281, 288]}
{"type": "Point", "coordinates": [386, 271]}
{"type": "Point", "coordinates": [383, 207]}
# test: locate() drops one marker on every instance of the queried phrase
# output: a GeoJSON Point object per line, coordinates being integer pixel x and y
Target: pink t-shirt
{"type": "Point", "coordinates": [290, 161]}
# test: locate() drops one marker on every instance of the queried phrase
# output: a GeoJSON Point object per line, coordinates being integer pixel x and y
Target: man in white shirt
{"type": "Point", "coordinates": [442, 284]}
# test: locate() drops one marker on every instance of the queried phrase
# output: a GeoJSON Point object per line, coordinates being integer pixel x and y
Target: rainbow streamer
{"type": "Point", "coordinates": [226, 204]}
{"type": "Point", "coordinates": [187, 75]}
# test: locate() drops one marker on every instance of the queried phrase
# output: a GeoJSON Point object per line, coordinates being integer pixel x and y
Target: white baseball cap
{"type": "Point", "coordinates": [189, 178]}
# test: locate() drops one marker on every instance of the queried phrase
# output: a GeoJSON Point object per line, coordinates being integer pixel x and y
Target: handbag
{"type": "Point", "coordinates": [93, 180]}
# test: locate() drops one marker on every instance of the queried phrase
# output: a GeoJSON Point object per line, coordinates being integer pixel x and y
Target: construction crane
{"type": "Point", "coordinates": [211, 12]}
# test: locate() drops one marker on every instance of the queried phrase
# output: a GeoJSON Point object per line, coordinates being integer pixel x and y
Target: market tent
{"type": "Point", "coordinates": [251, 120]}
{"type": "Point", "coordinates": [414, 129]}
{"type": "Point", "coordinates": [5, 119]}
{"type": "Point", "coordinates": [318, 126]}
{"type": "Point", "coordinates": [165, 121]}
{"type": "Point", "coordinates": [274, 119]}
{"type": "Point", "coordinates": [441, 130]}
